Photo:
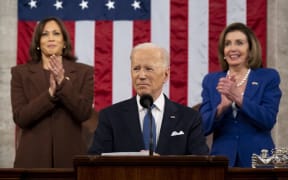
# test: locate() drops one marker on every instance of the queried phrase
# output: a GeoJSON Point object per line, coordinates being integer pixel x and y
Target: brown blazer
{"type": "Point", "coordinates": [50, 127]}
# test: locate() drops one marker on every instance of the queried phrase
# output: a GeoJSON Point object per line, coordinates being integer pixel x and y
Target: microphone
{"type": "Point", "coordinates": [146, 101]}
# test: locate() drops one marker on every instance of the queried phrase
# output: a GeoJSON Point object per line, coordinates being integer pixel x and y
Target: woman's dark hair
{"type": "Point", "coordinates": [35, 52]}
{"type": "Point", "coordinates": [255, 56]}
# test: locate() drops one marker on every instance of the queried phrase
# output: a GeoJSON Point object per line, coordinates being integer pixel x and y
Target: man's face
{"type": "Point", "coordinates": [148, 71]}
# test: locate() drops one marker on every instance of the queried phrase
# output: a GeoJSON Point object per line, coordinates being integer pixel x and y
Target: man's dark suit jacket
{"type": "Point", "coordinates": [119, 130]}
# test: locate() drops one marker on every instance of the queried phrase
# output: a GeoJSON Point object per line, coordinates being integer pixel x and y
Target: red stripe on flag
{"type": "Point", "coordinates": [179, 51]}
{"type": "Point", "coordinates": [141, 33]}
{"type": "Point", "coordinates": [103, 64]}
{"type": "Point", "coordinates": [217, 22]}
{"type": "Point", "coordinates": [25, 33]}
{"type": "Point", "coordinates": [256, 20]}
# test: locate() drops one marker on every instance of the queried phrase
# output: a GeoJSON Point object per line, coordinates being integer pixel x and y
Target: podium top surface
{"type": "Point", "coordinates": [185, 160]}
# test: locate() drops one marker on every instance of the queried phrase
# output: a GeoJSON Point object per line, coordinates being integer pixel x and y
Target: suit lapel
{"type": "Point", "coordinates": [253, 85]}
{"type": "Point", "coordinates": [131, 120]}
{"type": "Point", "coordinates": [70, 69]}
{"type": "Point", "coordinates": [38, 77]}
{"type": "Point", "coordinates": [169, 122]}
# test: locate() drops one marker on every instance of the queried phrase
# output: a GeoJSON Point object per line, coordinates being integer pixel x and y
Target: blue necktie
{"type": "Point", "coordinates": [146, 130]}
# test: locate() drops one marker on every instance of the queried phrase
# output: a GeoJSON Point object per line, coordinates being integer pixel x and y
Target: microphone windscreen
{"type": "Point", "coordinates": [146, 100]}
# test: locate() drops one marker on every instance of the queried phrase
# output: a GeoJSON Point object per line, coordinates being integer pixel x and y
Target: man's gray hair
{"type": "Point", "coordinates": [164, 52]}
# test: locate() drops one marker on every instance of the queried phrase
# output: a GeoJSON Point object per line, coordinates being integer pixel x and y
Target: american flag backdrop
{"type": "Point", "coordinates": [103, 33]}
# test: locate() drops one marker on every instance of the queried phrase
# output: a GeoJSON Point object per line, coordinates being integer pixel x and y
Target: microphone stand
{"type": "Point", "coordinates": [151, 142]}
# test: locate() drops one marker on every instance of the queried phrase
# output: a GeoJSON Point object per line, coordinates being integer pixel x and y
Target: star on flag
{"type": "Point", "coordinates": [33, 4]}
{"type": "Point", "coordinates": [136, 5]}
{"type": "Point", "coordinates": [58, 5]}
{"type": "Point", "coordinates": [110, 5]}
{"type": "Point", "coordinates": [84, 4]}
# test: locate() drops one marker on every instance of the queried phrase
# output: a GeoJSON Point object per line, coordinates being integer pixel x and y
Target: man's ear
{"type": "Point", "coordinates": [167, 74]}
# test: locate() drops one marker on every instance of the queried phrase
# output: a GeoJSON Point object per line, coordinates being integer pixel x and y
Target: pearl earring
{"type": "Point", "coordinates": [38, 48]}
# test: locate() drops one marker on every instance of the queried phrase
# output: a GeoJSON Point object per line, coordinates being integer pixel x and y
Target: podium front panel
{"type": "Point", "coordinates": [150, 167]}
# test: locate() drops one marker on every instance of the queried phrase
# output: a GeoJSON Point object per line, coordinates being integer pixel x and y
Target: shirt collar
{"type": "Point", "coordinates": [159, 103]}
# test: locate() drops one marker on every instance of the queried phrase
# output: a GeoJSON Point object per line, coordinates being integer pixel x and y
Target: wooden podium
{"type": "Point", "coordinates": [150, 167]}
{"type": "Point", "coordinates": [257, 174]}
{"type": "Point", "coordinates": [37, 174]}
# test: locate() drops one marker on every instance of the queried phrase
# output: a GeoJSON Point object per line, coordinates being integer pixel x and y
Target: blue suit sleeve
{"type": "Point", "coordinates": [208, 111]}
{"type": "Point", "coordinates": [210, 100]}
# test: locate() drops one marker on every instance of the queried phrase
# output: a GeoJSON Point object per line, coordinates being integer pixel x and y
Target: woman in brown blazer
{"type": "Point", "coordinates": [51, 96]}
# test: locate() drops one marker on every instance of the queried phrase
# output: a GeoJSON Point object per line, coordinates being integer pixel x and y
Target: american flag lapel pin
{"type": "Point", "coordinates": [255, 83]}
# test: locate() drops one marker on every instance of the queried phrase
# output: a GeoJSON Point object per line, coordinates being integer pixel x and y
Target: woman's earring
{"type": "Point", "coordinates": [38, 48]}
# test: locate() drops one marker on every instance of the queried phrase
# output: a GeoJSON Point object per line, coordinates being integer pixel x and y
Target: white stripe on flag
{"type": "Point", "coordinates": [198, 48]}
{"type": "Point", "coordinates": [160, 27]}
{"type": "Point", "coordinates": [122, 46]}
{"type": "Point", "coordinates": [236, 11]}
{"type": "Point", "coordinates": [84, 41]}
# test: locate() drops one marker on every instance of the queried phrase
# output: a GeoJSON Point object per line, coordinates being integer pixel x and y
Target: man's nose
{"type": "Point", "coordinates": [142, 73]}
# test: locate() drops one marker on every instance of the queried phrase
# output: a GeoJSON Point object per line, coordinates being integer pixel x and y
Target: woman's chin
{"type": "Point", "coordinates": [52, 54]}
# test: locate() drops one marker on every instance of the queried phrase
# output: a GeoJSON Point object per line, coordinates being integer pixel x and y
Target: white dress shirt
{"type": "Point", "coordinates": [157, 113]}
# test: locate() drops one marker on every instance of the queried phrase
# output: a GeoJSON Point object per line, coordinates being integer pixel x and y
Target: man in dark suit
{"type": "Point", "coordinates": [178, 128]}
